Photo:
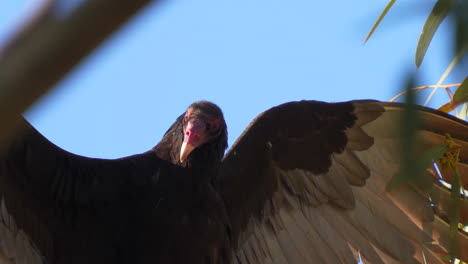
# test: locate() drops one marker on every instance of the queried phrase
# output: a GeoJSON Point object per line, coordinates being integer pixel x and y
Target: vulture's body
{"type": "Point", "coordinates": [305, 183]}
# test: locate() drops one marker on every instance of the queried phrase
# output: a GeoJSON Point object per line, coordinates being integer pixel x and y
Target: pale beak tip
{"type": "Point", "coordinates": [185, 151]}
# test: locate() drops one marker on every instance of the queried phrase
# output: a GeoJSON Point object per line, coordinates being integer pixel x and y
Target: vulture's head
{"type": "Point", "coordinates": [197, 138]}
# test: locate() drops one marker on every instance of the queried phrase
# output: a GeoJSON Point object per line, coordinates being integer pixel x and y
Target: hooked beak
{"type": "Point", "coordinates": [194, 136]}
{"type": "Point", "coordinates": [185, 150]}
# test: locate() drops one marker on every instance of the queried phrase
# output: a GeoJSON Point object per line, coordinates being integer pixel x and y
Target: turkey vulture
{"type": "Point", "coordinates": [305, 183]}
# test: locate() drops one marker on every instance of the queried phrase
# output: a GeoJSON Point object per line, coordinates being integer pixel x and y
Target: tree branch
{"type": "Point", "coordinates": [49, 48]}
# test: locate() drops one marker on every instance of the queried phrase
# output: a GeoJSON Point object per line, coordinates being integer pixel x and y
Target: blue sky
{"type": "Point", "coordinates": [244, 55]}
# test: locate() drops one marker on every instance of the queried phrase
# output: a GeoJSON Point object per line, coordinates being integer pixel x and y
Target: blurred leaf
{"type": "Point", "coordinates": [444, 76]}
{"type": "Point", "coordinates": [454, 214]}
{"type": "Point", "coordinates": [377, 23]}
{"type": "Point", "coordinates": [461, 94]}
{"type": "Point", "coordinates": [460, 97]}
{"type": "Point", "coordinates": [408, 126]}
{"type": "Point", "coordinates": [409, 121]}
{"type": "Point", "coordinates": [461, 26]}
{"type": "Point", "coordinates": [448, 107]}
{"type": "Point", "coordinates": [418, 166]}
{"type": "Point", "coordinates": [463, 112]}
{"type": "Point", "coordinates": [438, 13]}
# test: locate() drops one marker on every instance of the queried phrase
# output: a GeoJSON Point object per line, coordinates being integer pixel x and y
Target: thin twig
{"type": "Point", "coordinates": [446, 73]}
{"type": "Point", "coordinates": [420, 88]}
{"type": "Point", "coordinates": [449, 93]}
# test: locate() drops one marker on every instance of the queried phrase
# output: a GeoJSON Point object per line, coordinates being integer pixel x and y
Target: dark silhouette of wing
{"type": "Point", "coordinates": [306, 183]}
{"type": "Point", "coordinates": [57, 207]}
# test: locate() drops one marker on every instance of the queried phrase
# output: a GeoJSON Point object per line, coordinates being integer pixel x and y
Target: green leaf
{"type": "Point", "coordinates": [417, 167]}
{"type": "Point", "coordinates": [377, 23]}
{"type": "Point", "coordinates": [438, 13]}
{"type": "Point", "coordinates": [461, 26]}
{"type": "Point", "coordinates": [461, 94]}
{"type": "Point", "coordinates": [454, 214]}
{"type": "Point", "coordinates": [412, 165]}
{"type": "Point", "coordinates": [409, 122]}
{"type": "Point", "coordinates": [430, 156]}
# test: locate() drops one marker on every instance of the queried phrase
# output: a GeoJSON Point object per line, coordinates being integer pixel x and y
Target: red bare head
{"type": "Point", "coordinates": [203, 123]}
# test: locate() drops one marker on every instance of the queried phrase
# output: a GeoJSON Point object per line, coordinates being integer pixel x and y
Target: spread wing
{"type": "Point", "coordinates": [306, 183]}
{"type": "Point", "coordinates": [57, 207]}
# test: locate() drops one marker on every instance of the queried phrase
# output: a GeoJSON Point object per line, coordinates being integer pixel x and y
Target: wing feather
{"type": "Point", "coordinates": [348, 164]}
{"type": "Point", "coordinates": [311, 178]}
{"type": "Point", "coordinates": [442, 201]}
{"type": "Point", "coordinates": [58, 207]}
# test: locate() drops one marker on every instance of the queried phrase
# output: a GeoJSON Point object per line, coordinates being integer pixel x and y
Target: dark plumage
{"type": "Point", "coordinates": [305, 183]}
